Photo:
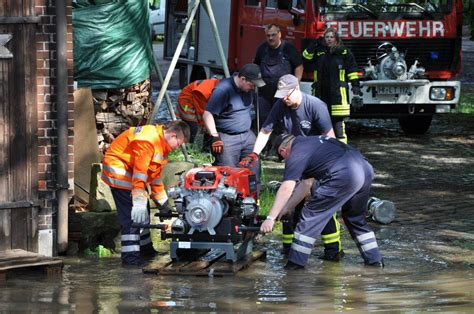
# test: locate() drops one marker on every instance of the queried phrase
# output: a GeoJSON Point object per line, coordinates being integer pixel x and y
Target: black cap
{"type": "Point", "coordinates": [282, 139]}
{"type": "Point", "coordinates": [251, 72]}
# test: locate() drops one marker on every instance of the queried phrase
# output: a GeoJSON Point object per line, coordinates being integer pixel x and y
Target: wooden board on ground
{"type": "Point", "coordinates": [213, 263]}
{"type": "Point", "coordinates": [15, 259]}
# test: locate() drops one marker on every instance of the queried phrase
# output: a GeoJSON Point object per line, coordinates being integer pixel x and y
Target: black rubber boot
{"type": "Point", "coordinates": [376, 264]}
{"type": "Point", "coordinates": [293, 266]}
{"type": "Point", "coordinates": [333, 257]}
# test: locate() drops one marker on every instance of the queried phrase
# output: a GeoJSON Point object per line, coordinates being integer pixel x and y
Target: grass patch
{"type": "Point", "coordinates": [196, 155]}
{"type": "Point", "coordinates": [466, 102]}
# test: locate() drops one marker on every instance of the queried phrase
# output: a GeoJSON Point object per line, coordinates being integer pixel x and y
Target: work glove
{"type": "Point", "coordinates": [356, 91]}
{"type": "Point", "coordinates": [249, 161]}
{"type": "Point", "coordinates": [139, 214]}
{"type": "Point", "coordinates": [165, 208]}
{"type": "Point", "coordinates": [314, 44]}
{"type": "Point", "coordinates": [217, 145]}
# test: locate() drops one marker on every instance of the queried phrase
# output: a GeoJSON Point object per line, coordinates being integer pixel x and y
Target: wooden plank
{"type": "Point", "coordinates": [202, 263]}
{"type": "Point", "coordinates": [20, 19]}
{"type": "Point", "coordinates": [155, 266]}
{"type": "Point", "coordinates": [19, 229]}
{"type": "Point", "coordinates": [224, 268]}
{"type": "Point", "coordinates": [12, 254]}
{"type": "Point", "coordinates": [85, 139]}
{"type": "Point", "coordinates": [32, 223]}
{"type": "Point", "coordinates": [32, 129]}
{"type": "Point", "coordinates": [18, 143]}
{"type": "Point", "coordinates": [15, 7]}
{"type": "Point", "coordinates": [26, 264]}
{"type": "Point", "coordinates": [14, 259]}
{"type": "Point", "coordinates": [5, 218]}
{"type": "Point", "coordinates": [211, 264]}
{"type": "Point", "coordinates": [5, 230]}
{"type": "Point", "coordinates": [29, 9]}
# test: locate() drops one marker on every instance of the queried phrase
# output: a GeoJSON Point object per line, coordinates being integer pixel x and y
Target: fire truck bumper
{"type": "Point", "coordinates": [389, 99]}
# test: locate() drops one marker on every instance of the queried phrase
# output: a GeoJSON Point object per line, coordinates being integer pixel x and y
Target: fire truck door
{"type": "Point", "coordinates": [250, 30]}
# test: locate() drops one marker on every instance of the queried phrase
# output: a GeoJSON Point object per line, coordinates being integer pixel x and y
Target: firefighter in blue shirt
{"type": "Point", "coordinates": [345, 178]}
{"type": "Point", "coordinates": [299, 114]}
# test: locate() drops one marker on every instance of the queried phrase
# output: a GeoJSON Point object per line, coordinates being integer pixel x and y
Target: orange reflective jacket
{"type": "Point", "coordinates": [136, 158]}
{"type": "Point", "coordinates": [193, 99]}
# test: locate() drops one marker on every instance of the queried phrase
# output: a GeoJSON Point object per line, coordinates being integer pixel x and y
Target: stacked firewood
{"type": "Point", "coordinates": [118, 109]}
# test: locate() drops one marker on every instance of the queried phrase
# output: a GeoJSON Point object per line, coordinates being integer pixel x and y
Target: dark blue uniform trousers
{"type": "Point", "coordinates": [347, 184]}
{"type": "Point", "coordinates": [237, 147]}
{"type": "Point", "coordinates": [133, 240]}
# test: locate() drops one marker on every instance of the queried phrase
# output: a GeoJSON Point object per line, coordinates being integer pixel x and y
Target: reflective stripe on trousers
{"type": "Point", "coordinates": [132, 239]}
{"type": "Point", "coordinates": [348, 184]}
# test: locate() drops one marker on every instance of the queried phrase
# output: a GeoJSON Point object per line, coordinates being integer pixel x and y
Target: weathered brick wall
{"type": "Point", "coordinates": [47, 107]}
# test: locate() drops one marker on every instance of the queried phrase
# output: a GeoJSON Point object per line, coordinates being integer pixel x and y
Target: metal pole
{"type": "Point", "coordinates": [215, 32]}
{"type": "Point", "coordinates": [175, 59]}
{"type": "Point", "coordinates": [170, 105]}
{"type": "Point", "coordinates": [62, 118]}
{"type": "Point", "coordinates": [258, 110]}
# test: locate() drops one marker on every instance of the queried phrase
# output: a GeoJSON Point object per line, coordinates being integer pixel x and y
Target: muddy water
{"type": "Point", "coordinates": [428, 250]}
{"type": "Point", "coordinates": [414, 279]}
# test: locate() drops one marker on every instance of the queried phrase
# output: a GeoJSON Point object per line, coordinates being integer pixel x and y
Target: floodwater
{"type": "Point", "coordinates": [414, 279]}
{"type": "Point", "coordinates": [428, 251]}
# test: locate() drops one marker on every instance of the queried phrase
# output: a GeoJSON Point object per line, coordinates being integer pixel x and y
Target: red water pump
{"type": "Point", "coordinates": [216, 208]}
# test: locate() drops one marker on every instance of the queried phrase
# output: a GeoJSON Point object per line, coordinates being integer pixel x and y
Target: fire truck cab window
{"type": "Point", "coordinates": [252, 3]}
{"type": "Point", "coordinates": [375, 7]}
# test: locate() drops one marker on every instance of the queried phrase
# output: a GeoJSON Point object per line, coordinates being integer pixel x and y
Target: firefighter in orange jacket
{"type": "Point", "coordinates": [192, 101]}
{"type": "Point", "coordinates": [134, 160]}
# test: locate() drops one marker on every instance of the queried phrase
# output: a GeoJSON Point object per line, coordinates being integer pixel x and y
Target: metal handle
{"type": "Point", "coordinates": [150, 226]}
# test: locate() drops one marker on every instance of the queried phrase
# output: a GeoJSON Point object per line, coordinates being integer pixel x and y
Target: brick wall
{"type": "Point", "coordinates": [46, 105]}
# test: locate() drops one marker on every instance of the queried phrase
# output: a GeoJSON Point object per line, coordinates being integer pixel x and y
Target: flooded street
{"type": "Point", "coordinates": [412, 281]}
{"type": "Point", "coordinates": [428, 249]}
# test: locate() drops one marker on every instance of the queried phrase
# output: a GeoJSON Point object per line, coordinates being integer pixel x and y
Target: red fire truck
{"type": "Point", "coordinates": [409, 52]}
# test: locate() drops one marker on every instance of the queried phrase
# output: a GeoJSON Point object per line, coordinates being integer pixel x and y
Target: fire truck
{"type": "Point", "coordinates": [408, 52]}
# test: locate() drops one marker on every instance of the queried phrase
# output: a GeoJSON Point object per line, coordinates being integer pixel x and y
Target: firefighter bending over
{"type": "Point", "coordinates": [299, 114]}
{"type": "Point", "coordinates": [192, 102]}
{"type": "Point", "coordinates": [345, 179]}
{"type": "Point", "coordinates": [134, 160]}
{"type": "Point", "coordinates": [335, 66]}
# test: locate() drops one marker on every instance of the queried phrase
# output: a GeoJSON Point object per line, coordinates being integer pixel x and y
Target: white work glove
{"type": "Point", "coordinates": [139, 214]}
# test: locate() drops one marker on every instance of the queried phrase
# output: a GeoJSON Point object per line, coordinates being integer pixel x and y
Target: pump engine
{"type": "Point", "coordinates": [391, 65]}
{"type": "Point", "coordinates": [216, 207]}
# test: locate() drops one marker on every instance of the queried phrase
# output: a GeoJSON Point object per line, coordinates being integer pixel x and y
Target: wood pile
{"type": "Point", "coordinates": [118, 109]}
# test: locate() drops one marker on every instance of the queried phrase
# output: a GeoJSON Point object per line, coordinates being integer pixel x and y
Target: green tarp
{"type": "Point", "coordinates": [112, 45]}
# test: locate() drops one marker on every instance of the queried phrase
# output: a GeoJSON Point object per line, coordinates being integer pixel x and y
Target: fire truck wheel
{"type": "Point", "coordinates": [415, 124]}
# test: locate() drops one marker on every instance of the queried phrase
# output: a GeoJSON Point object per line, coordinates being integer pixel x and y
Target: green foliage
{"type": "Point", "coordinates": [197, 156]}
{"type": "Point", "coordinates": [100, 251]}
{"type": "Point", "coordinates": [466, 102]}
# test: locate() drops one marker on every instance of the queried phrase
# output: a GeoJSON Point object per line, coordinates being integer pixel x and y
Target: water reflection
{"type": "Point", "coordinates": [413, 280]}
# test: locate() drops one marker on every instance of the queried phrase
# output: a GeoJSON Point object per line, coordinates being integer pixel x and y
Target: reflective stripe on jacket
{"type": "Point", "coordinates": [136, 158]}
{"type": "Point", "coordinates": [333, 70]}
{"type": "Point", "coordinates": [193, 99]}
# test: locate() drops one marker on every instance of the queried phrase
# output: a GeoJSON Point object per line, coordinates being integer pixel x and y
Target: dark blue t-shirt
{"type": "Point", "coordinates": [312, 157]}
{"type": "Point", "coordinates": [230, 107]}
{"type": "Point", "coordinates": [310, 118]}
